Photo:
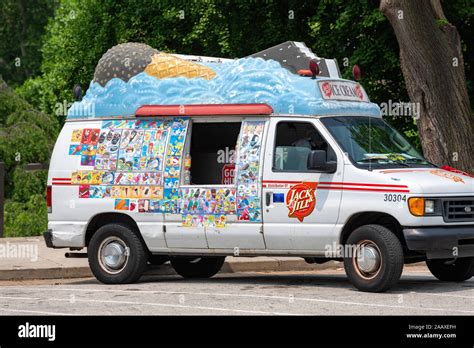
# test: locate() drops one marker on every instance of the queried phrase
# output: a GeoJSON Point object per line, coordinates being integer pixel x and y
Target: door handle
{"type": "Point", "coordinates": [268, 198]}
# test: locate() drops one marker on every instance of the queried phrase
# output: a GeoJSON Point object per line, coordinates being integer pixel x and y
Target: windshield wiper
{"type": "Point", "coordinates": [417, 160]}
{"type": "Point", "coordinates": [376, 161]}
{"type": "Point", "coordinates": [401, 163]}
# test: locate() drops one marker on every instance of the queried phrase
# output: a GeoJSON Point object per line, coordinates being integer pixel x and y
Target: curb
{"type": "Point", "coordinates": [271, 265]}
{"type": "Point", "coordinates": [267, 265]}
{"type": "Point", "coordinates": [45, 273]}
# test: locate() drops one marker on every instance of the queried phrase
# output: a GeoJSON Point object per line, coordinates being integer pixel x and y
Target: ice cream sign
{"type": "Point", "coordinates": [301, 200]}
{"type": "Point", "coordinates": [342, 90]}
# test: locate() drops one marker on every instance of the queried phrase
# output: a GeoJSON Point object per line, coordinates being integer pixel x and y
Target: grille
{"type": "Point", "coordinates": [458, 209]}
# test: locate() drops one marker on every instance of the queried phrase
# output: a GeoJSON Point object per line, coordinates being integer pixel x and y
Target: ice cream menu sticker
{"type": "Point", "coordinates": [248, 171]}
{"type": "Point", "coordinates": [128, 157]}
{"type": "Point", "coordinates": [206, 207]}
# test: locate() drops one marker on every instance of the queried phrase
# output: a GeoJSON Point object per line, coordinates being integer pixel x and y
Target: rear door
{"type": "Point", "coordinates": [207, 210]}
{"type": "Point", "coordinates": [178, 234]}
{"type": "Point", "coordinates": [300, 212]}
{"type": "Point", "coordinates": [243, 229]}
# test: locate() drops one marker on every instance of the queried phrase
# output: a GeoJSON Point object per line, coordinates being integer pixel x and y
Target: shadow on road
{"type": "Point", "coordinates": [253, 281]}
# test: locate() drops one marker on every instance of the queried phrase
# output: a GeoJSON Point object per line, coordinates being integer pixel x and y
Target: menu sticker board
{"type": "Point", "coordinates": [127, 157]}
{"type": "Point", "coordinates": [137, 164]}
{"type": "Point", "coordinates": [248, 171]}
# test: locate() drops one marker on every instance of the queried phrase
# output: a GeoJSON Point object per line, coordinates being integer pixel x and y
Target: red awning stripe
{"type": "Point", "coordinates": [204, 110]}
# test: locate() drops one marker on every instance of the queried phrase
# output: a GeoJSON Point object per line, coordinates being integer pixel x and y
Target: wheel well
{"type": "Point", "coordinates": [374, 218]}
{"type": "Point", "coordinates": [108, 218]}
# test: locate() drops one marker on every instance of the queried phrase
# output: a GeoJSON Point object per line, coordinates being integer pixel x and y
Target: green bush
{"type": "Point", "coordinates": [26, 136]}
{"type": "Point", "coordinates": [27, 184]}
{"type": "Point", "coordinates": [26, 219]}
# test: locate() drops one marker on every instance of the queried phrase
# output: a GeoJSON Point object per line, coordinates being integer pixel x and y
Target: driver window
{"type": "Point", "coordinates": [294, 142]}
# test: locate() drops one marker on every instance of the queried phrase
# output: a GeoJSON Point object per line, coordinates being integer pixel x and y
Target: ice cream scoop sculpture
{"type": "Point", "coordinates": [131, 75]}
{"type": "Point", "coordinates": [165, 65]}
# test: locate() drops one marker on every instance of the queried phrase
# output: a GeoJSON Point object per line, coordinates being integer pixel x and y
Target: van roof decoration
{"type": "Point", "coordinates": [131, 75]}
{"type": "Point", "coordinates": [164, 65]}
{"type": "Point", "coordinates": [295, 56]}
{"type": "Point", "coordinates": [123, 61]}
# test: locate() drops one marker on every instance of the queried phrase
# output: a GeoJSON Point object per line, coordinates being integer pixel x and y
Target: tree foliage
{"type": "Point", "coordinates": [26, 136]}
{"type": "Point", "coordinates": [22, 26]}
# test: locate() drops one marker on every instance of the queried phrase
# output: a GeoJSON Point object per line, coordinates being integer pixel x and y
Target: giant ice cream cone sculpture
{"type": "Point", "coordinates": [165, 65]}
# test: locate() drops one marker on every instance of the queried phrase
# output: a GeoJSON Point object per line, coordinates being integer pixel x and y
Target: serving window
{"type": "Point", "coordinates": [211, 150]}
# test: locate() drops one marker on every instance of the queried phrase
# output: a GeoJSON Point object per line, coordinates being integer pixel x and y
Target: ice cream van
{"type": "Point", "coordinates": [195, 159]}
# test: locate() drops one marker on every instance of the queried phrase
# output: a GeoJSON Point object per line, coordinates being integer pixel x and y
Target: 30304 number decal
{"type": "Point", "coordinates": [391, 197]}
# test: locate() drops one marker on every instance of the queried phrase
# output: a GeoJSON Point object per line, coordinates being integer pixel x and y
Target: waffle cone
{"type": "Point", "coordinates": [165, 65]}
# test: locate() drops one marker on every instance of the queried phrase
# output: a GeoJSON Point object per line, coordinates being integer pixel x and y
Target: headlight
{"type": "Point", "coordinates": [419, 206]}
{"type": "Point", "coordinates": [429, 206]}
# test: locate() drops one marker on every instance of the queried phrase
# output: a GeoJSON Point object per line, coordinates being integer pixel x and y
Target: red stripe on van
{"type": "Point", "coordinates": [329, 183]}
{"type": "Point", "coordinates": [360, 189]}
{"type": "Point", "coordinates": [280, 182]}
{"type": "Point", "coordinates": [360, 184]}
{"type": "Point", "coordinates": [204, 110]}
{"type": "Point", "coordinates": [61, 179]}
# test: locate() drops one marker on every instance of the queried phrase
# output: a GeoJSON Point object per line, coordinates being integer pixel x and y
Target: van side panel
{"type": "Point", "coordinates": [72, 205]}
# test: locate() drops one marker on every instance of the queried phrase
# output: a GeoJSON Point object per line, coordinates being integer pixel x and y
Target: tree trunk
{"type": "Point", "coordinates": [433, 67]}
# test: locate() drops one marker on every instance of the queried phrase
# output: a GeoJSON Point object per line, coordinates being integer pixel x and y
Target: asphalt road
{"type": "Point", "coordinates": [285, 293]}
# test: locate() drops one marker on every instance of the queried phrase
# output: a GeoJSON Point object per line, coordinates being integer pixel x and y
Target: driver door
{"type": "Point", "coordinates": [298, 212]}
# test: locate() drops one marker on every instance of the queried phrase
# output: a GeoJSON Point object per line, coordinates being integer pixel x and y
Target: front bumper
{"type": "Point", "coordinates": [441, 242]}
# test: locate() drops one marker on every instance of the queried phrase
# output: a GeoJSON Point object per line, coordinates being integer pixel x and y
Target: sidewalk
{"type": "Point", "coordinates": [29, 258]}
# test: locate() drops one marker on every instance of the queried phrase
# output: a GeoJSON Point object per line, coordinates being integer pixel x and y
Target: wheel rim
{"type": "Point", "coordinates": [367, 259]}
{"type": "Point", "coordinates": [113, 255]}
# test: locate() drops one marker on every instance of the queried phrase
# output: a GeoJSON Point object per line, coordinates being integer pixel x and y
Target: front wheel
{"type": "Point", "coordinates": [457, 270]}
{"type": "Point", "coordinates": [116, 254]}
{"type": "Point", "coordinates": [374, 262]}
{"type": "Point", "coordinates": [197, 267]}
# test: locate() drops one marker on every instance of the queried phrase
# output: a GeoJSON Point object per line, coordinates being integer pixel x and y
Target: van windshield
{"type": "Point", "coordinates": [371, 142]}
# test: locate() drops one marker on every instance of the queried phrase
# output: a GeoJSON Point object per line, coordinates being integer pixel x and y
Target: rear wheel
{"type": "Point", "coordinates": [197, 267]}
{"type": "Point", "coordinates": [375, 261]}
{"type": "Point", "coordinates": [116, 254]}
{"type": "Point", "coordinates": [457, 270]}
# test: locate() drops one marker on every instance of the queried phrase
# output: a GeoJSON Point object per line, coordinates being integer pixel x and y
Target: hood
{"type": "Point", "coordinates": [433, 180]}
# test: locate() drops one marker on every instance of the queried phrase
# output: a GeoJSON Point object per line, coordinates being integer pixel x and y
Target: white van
{"type": "Point", "coordinates": [195, 183]}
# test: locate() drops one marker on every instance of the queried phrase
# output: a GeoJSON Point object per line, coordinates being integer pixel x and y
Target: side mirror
{"type": "Point", "coordinates": [317, 161]}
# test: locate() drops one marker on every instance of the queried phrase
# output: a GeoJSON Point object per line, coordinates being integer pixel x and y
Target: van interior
{"type": "Point", "coordinates": [210, 143]}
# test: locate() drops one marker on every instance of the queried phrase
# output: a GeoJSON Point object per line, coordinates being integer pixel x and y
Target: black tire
{"type": "Point", "coordinates": [457, 270]}
{"type": "Point", "coordinates": [196, 266]}
{"type": "Point", "coordinates": [157, 260]}
{"type": "Point", "coordinates": [388, 268]}
{"type": "Point", "coordinates": [117, 236]}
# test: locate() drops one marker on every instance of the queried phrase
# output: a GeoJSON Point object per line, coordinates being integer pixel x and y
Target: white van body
{"type": "Point", "coordinates": [309, 213]}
